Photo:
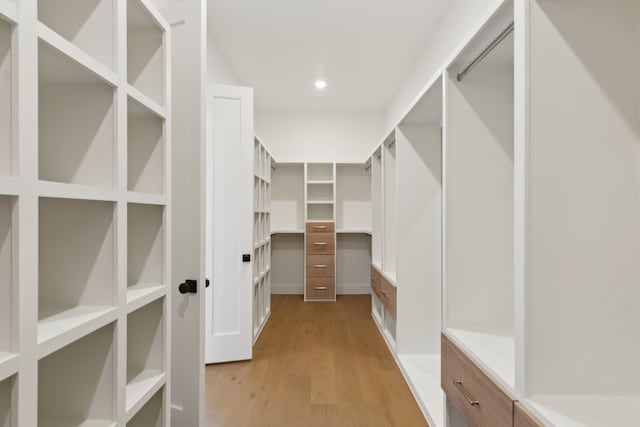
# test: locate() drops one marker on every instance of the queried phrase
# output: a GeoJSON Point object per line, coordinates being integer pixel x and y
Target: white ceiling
{"type": "Point", "coordinates": [363, 48]}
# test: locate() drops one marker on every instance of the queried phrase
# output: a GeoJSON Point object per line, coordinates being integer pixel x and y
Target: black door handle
{"type": "Point", "coordinates": [191, 286]}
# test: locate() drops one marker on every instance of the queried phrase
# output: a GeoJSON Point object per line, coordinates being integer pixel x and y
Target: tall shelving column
{"type": "Point", "coordinates": [84, 212]}
{"type": "Point", "coordinates": [320, 233]}
{"type": "Point", "coordinates": [261, 238]}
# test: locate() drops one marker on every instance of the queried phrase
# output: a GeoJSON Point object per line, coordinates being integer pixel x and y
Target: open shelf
{"type": "Point", "coordinates": [353, 197]}
{"type": "Point", "coordinates": [145, 150]}
{"type": "Point", "coordinates": [479, 209]}
{"type": "Point", "coordinates": [151, 414]}
{"type": "Point", "coordinates": [6, 402]}
{"type": "Point", "coordinates": [145, 354]}
{"type": "Point", "coordinates": [581, 317]}
{"type": "Point", "coordinates": [320, 212]}
{"type": "Point", "coordinates": [7, 274]}
{"type": "Point", "coordinates": [320, 172]}
{"type": "Point", "coordinates": [145, 250]}
{"type": "Point", "coordinates": [353, 263]}
{"type": "Point", "coordinates": [287, 197]}
{"type": "Point", "coordinates": [76, 265]}
{"type": "Point", "coordinates": [6, 100]}
{"type": "Point", "coordinates": [76, 122]}
{"type": "Point", "coordinates": [88, 24]}
{"type": "Point", "coordinates": [287, 259]}
{"type": "Point", "coordinates": [319, 193]}
{"type": "Point", "coordinates": [145, 52]}
{"type": "Point", "coordinates": [86, 368]}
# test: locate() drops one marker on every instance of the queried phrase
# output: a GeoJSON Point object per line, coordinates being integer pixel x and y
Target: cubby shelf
{"type": "Point", "coordinates": [145, 252]}
{"type": "Point", "coordinates": [151, 414]}
{"type": "Point", "coordinates": [8, 365]}
{"type": "Point", "coordinates": [145, 52]}
{"type": "Point", "coordinates": [6, 402]}
{"type": "Point", "coordinates": [76, 143]}
{"type": "Point", "coordinates": [81, 22]}
{"type": "Point", "coordinates": [6, 99]}
{"type": "Point", "coordinates": [145, 149]}
{"type": "Point", "coordinates": [146, 372]}
{"type": "Point", "coordinates": [7, 275]}
{"type": "Point", "coordinates": [77, 269]}
{"type": "Point", "coordinates": [8, 11]}
{"type": "Point", "coordinates": [87, 368]}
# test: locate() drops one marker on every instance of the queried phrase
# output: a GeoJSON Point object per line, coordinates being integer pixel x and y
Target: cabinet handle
{"type": "Point", "coordinates": [320, 244]}
{"type": "Point", "coordinates": [386, 295]}
{"type": "Point", "coordinates": [320, 288]}
{"type": "Point", "coordinates": [320, 266]}
{"type": "Point", "coordinates": [464, 392]}
{"type": "Point", "coordinates": [319, 227]}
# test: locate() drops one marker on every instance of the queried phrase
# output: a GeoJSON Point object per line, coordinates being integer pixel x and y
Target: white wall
{"type": "Point", "coordinates": [218, 70]}
{"type": "Point", "coordinates": [457, 25]}
{"type": "Point", "coordinates": [343, 137]}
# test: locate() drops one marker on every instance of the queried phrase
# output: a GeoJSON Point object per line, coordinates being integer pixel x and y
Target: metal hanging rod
{"type": "Point", "coordinates": [503, 35]}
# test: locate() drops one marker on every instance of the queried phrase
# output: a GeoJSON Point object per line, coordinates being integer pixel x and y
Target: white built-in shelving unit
{"type": "Point", "coordinates": [389, 206]}
{"type": "Point", "coordinates": [377, 210]}
{"type": "Point", "coordinates": [479, 211]}
{"type": "Point", "coordinates": [577, 207]}
{"type": "Point", "coordinates": [261, 238]}
{"type": "Point", "coordinates": [84, 213]}
{"type": "Point", "coordinates": [320, 191]}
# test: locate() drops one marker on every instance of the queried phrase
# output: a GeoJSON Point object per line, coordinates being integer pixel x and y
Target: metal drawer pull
{"type": "Point", "coordinates": [464, 392]}
{"type": "Point", "coordinates": [319, 227]}
{"type": "Point", "coordinates": [320, 244]}
{"type": "Point", "coordinates": [320, 266]}
{"type": "Point", "coordinates": [320, 288]}
{"type": "Point", "coordinates": [386, 295]}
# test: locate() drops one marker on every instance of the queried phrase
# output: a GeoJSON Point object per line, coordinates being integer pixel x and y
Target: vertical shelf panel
{"type": "Point", "coordinates": [390, 207]}
{"type": "Point", "coordinates": [7, 273]}
{"type": "Point", "coordinates": [145, 52]}
{"type": "Point", "coordinates": [76, 384]}
{"type": "Point", "coordinates": [88, 24]}
{"type": "Point", "coordinates": [7, 403]}
{"type": "Point", "coordinates": [377, 221]}
{"type": "Point", "coordinates": [76, 263]}
{"type": "Point", "coordinates": [145, 351]}
{"type": "Point", "coordinates": [6, 99]}
{"type": "Point", "coordinates": [145, 249]}
{"type": "Point", "coordinates": [152, 414]}
{"type": "Point", "coordinates": [76, 123]}
{"type": "Point", "coordinates": [145, 150]}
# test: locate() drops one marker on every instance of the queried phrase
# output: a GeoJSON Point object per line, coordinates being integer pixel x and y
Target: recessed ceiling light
{"type": "Point", "coordinates": [321, 84]}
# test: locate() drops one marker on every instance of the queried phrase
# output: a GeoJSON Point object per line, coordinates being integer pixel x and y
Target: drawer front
{"type": "Point", "coordinates": [320, 265]}
{"type": "Point", "coordinates": [321, 227]}
{"type": "Point", "coordinates": [376, 282]}
{"type": "Point", "coordinates": [523, 418]}
{"type": "Point", "coordinates": [479, 399]}
{"type": "Point", "coordinates": [321, 288]}
{"type": "Point", "coordinates": [389, 297]}
{"type": "Point", "coordinates": [321, 243]}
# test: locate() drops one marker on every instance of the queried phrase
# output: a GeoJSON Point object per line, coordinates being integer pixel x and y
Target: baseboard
{"type": "Point", "coordinates": [299, 289]}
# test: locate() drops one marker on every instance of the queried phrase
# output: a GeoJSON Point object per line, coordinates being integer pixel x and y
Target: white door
{"type": "Point", "coordinates": [188, 38]}
{"type": "Point", "coordinates": [229, 218]}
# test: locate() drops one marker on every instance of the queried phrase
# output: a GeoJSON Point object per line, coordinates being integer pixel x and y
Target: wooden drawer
{"type": "Point", "coordinates": [477, 397]}
{"type": "Point", "coordinates": [376, 282]}
{"type": "Point", "coordinates": [389, 296]}
{"type": "Point", "coordinates": [320, 265]}
{"type": "Point", "coordinates": [523, 418]}
{"type": "Point", "coordinates": [321, 227]}
{"type": "Point", "coordinates": [321, 243]}
{"type": "Point", "coordinates": [321, 288]}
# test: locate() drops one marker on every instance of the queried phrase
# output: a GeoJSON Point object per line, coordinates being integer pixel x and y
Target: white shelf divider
{"type": "Point", "coordinates": [8, 365]}
{"type": "Point", "coordinates": [79, 22]}
{"type": "Point", "coordinates": [151, 414]}
{"type": "Point", "coordinates": [8, 11]}
{"type": "Point", "coordinates": [86, 367]}
{"type": "Point", "coordinates": [7, 98]}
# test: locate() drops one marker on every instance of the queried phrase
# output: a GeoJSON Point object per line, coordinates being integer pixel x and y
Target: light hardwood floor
{"type": "Point", "coordinates": [316, 364]}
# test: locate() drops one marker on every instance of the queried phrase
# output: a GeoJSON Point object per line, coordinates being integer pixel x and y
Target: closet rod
{"type": "Point", "coordinates": [503, 35]}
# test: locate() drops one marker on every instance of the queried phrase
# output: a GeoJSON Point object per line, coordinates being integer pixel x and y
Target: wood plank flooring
{"type": "Point", "coordinates": [316, 364]}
